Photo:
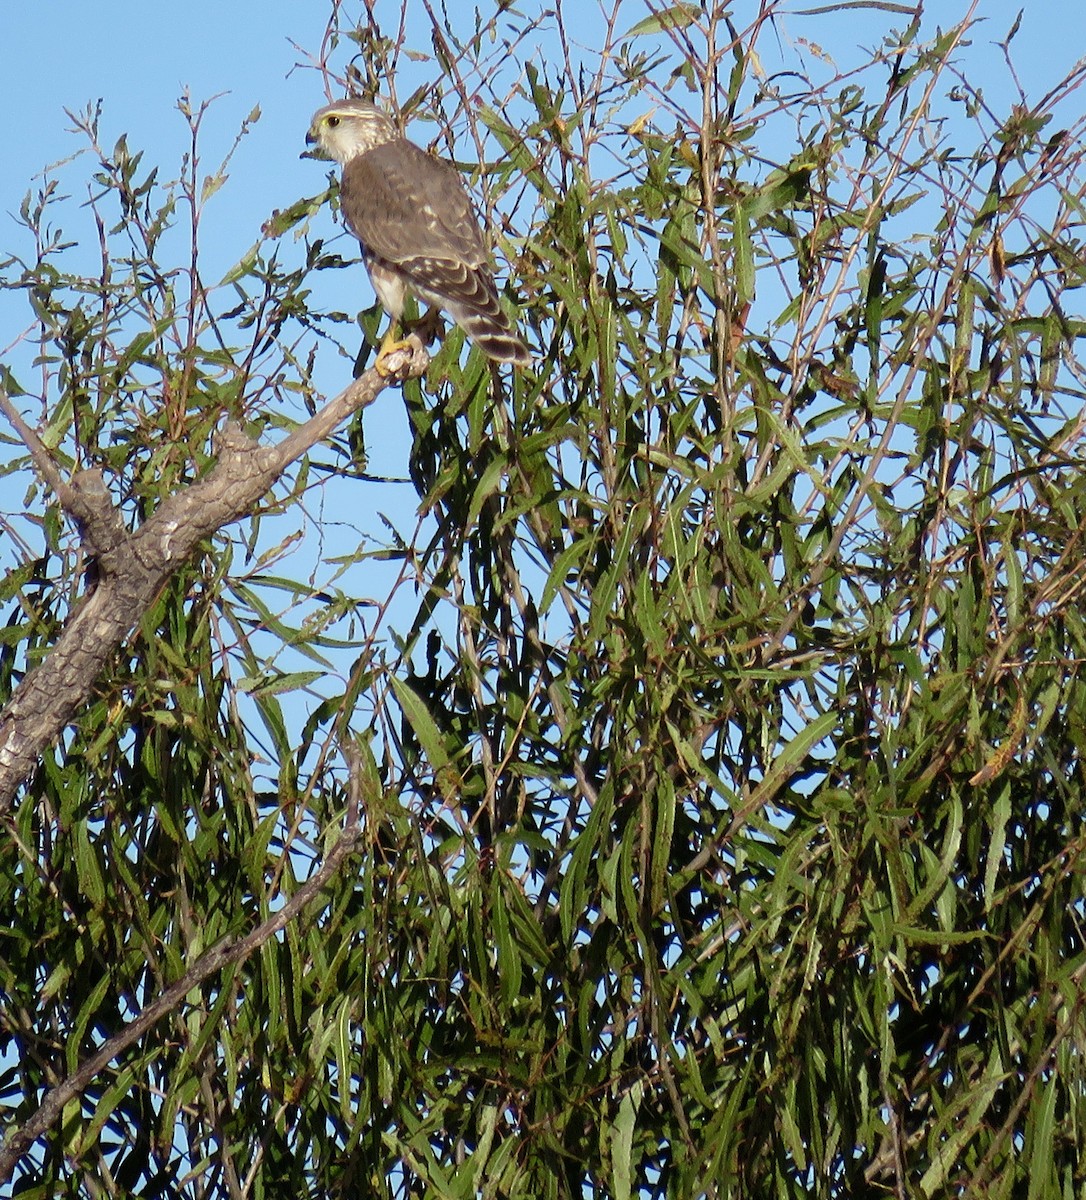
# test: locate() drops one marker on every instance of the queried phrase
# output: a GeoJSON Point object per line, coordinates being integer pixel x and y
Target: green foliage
{"type": "Point", "coordinates": [720, 728]}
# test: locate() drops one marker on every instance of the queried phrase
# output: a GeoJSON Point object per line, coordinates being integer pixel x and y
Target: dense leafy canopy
{"type": "Point", "coordinates": [717, 724]}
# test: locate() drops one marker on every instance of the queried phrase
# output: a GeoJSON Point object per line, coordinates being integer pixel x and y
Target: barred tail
{"type": "Point", "coordinates": [494, 334]}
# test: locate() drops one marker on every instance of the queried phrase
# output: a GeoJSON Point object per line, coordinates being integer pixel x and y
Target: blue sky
{"type": "Point", "coordinates": [138, 57]}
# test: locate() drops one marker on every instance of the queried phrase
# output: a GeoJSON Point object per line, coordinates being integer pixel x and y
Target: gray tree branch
{"type": "Point", "coordinates": [228, 952]}
{"type": "Point", "coordinates": [133, 566]}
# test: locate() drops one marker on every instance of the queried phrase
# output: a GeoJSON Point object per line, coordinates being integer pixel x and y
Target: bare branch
{"type": "Point", "coordinates": [227, 953]}
{"type": "Point", "coordinates": [133, 567]}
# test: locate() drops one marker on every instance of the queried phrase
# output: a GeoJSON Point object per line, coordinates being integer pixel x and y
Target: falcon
{"type": "Point", "coordinates": [418, 232]}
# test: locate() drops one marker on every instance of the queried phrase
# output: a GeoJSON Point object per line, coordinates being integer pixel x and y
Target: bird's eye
{"type": "Point", "coordinates": [332, 122]}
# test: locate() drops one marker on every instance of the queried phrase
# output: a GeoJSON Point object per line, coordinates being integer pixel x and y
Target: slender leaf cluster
{"type": "Point", "coordinates": [718, 723]}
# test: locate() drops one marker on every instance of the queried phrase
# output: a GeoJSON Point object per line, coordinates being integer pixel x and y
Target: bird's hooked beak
{"type": "Point", "coordinates": [313, 141]}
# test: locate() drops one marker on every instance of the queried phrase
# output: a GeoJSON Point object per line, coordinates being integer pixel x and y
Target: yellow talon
{"type": "Point", "coordinates": [389, 346]}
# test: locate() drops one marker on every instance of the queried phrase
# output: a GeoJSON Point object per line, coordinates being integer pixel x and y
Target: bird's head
{"type": "Point", "coordinates": [347, 128]}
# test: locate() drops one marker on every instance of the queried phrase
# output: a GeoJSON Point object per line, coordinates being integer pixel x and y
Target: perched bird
{"type": "Point", "coordinates": [415, 222]}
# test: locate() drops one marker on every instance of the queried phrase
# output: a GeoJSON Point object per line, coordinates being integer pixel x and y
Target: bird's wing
{"type": "Point", "coordinates": [403, 204]}
{"type": "Point", "coordinates": [411, 210]}
{"type": "Point", "coordinates": [411, 213]}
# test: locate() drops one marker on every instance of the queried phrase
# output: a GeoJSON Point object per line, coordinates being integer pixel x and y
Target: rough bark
{"type": "Point", "coordinates": [133, 565]}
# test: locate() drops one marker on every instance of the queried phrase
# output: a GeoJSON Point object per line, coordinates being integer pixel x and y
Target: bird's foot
{"type": "Point", "coordinates": [389, 347]}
